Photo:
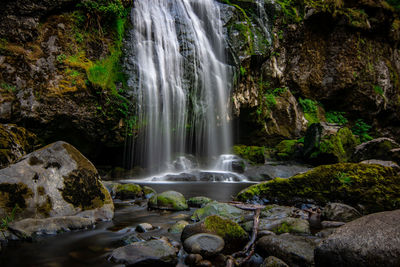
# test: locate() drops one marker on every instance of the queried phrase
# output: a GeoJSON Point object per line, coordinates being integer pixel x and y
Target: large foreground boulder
{"type": "Point", "coordinates": [375, 187]}
{"type": "Point", "coordinates": [54, 181]}
{"type": "Point", "coordinates": [295, 250]}
{"type": "Point", "coordinates": [373, 240]}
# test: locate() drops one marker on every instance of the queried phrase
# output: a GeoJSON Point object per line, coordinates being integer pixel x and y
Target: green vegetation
{"type": "Point", "coordinates": [290, 10]}
{"type": "Point", "coordinates": [374, 186]}
{"type": "Point", "coordinates": [103, 23]}
{"type": "Point", "coordinates": [343, 178]}
{"type": "Point", "coordinates": [225, 228]}
{"type": "Point", "coordinates": [286, 149]}
{"type": "Point", "coordinates": [378, 90]}
{"type": "Point", "coordinates": [337, 147]}
{"type": "Point", "coordinates": [8, 218]}
{"type": "Point", "coordinates": [361, 129]}
{"type": "Point", "coordinates": [242, 71]}
{"type": "Point", "coordinates": [336, 117]}
{"type": "Point", "coordinates": [102, 11]}
{"type": "Point", "coordinates": [8, 87]}
{"type": "Point", "coordinates": [310, 109]}
{"type": "Point", "coordinates": [394, 3]}
{"type": "Point", "coordinates": [255, 154]}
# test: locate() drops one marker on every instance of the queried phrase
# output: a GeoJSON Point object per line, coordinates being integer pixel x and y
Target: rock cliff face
{"type": "Point", "coordinates": [341, 54]}
{"type": "Point", "coordinates": [45, 58]}
{"type": "Point", "coordinates": [296, 62]}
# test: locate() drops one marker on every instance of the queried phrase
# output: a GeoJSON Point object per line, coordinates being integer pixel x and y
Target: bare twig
{"type": "Point", "coordinates": [248, 250]}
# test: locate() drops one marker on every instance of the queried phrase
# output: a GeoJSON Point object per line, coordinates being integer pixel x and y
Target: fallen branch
{"type": "Point", "coordinates": [248, 250]}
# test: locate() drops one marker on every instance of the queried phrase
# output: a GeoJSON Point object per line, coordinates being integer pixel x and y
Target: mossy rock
{"type": "Point", "coordinates": [178, 227]}
{"type": "Point", "coordinates": [168, 200]}
{"type": "Point", "coordinates": [254, 154]}
{"type": "Point", "coordinates": [15, 142]}
{"type": "Point", "coordinates": [225, 228]}
{"type": "Point", "coordinates": [232, 233]}
{"type": "Point", "coordinates": [221, 209]}
{"type": "Point", "coordinates": [286, 149]}
{"type": "Point", "coordinates": [148, 191]}
{"type": "Point", "coordinates": [198, 202]}
{"type": "Point", "coordinates": [375, 187]}
{"type": "Point", "coordinates": [128, 191]}
{"type": "Point", "coordinates": [326, 145]}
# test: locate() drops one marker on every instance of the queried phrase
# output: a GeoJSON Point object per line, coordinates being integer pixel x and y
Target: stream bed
{"type": "Point", "coordinates": [92, 247]}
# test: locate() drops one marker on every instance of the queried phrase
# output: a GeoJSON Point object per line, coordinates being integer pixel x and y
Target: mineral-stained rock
{"type": "Point", "coordinates": [54, 181]}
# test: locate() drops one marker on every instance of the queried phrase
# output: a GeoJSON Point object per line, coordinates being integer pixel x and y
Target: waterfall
{"type": "Point", "coordinates": [180, 82]}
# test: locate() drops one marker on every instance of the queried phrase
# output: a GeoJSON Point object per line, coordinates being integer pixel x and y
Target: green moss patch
{"type": "Point", "coordinates": [374, 186]}
{"type": "Point", "coordinates": [128, 191]}
{"type": "Point", "coordinates": [286, 149]}
{"type": "Point", "coordinates": [225, 228]}
{"type": "Point", "coordinates": [254, 154]}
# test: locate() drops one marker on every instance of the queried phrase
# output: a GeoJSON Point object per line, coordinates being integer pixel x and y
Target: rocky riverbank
{"type": "Point", "coordinates": [296, 221]}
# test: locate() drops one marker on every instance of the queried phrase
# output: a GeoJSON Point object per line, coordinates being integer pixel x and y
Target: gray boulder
{"type": "Point", "coordinates": [54, 181]}
{"type": "Point", "coordinates": [204, 244]}
{"type": "Point", "coordinates": [340, 212]}
{"type": "Point", "coordinates": [379, 148]}
{"type": "Point", "coordinates": [284, 225]}
{"type": "Point", "coordinates": [272, 261]}
{"type": "Point", "coordinates": [296, 250]}
{"type": "Point", "coordinates": [147, 253]}
{"type": "Point", "coordinates": [372, 240]}
{"type": "Point", "coordinates": [30, 228]}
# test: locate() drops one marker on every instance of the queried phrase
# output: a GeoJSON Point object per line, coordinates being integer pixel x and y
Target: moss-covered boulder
{"type": "Point", "coordinates": [198, 202]}
{"type": "Point", "coordinates": [54, 181]}
{"type": "Point", "coordinates": [287, 149]}
{"type": "Point", "coordinates": [221, 209]}
{"type": "Point", "coordinates": [375, 187]}
{"type": "Point", "coordinates": [254, 154]}
{"type": "Point", "coordinates": [232, 233]}
{"type": "Point", "coordinates": [15, 142]}
{"type": "Point", "coordinates": [168, 200]}
{"type": "Point", "coordinates": [128, 191]}
{"type": "Point", "coordinates": [326, 144]}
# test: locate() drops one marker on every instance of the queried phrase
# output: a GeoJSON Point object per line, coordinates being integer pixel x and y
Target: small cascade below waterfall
{"type": "Point", "coordinates": [180, 82]}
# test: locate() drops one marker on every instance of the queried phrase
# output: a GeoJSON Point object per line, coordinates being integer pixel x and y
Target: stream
{"type": "Point", "coordinates": [91, 248]}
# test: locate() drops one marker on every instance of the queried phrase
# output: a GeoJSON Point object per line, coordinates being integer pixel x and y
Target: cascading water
{"type": "Point", "coordinates": [180, 81]}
